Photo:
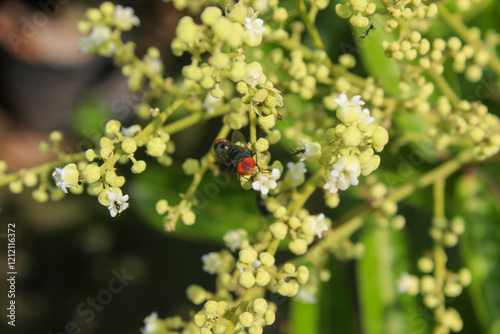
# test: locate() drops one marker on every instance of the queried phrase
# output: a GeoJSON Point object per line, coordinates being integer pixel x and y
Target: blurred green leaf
{"type": "Point", "coordinates": [222, 204]}
{"type": "Point", "coordinates": [304, 317]}
{"type": "Point", "coordinates": [90, 118]}
{"type": "Point", "coordinates": [383, 309]}
{"type": "Point", "coordinates": [480, 208]}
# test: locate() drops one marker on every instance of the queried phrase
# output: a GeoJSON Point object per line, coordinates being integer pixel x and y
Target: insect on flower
{"type": "Point", "coordinates": [372, 26]}
{"type": "Point", "coordinates": [233, 157]}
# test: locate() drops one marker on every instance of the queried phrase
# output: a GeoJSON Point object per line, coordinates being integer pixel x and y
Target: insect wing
{"type": "Point", "coordinates": [238, 139]}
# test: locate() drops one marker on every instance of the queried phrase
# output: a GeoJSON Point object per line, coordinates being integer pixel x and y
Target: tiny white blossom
{"type": "Point", "coordinates": [265, 183]}
{"type": "Point", "coordinates": [211, 262]}
{"type": "Point", "coordinates": [255, 25]}
{"type": "Point", "coordinates": [404, 282]}
{"type": "Point", "coordinates": [253, 75]}
{"type": "Point", "coordinates": [117, 204]}
{"type": "Point", "coordinates": [320, 226]}
{"type": "Point", "coordinates": [131, 130]}
{"type": "Point", "coordinates": [297, 170]}
{"type": "Point", "coordinates": [344, 173]}
{"type": "Point", "coordinates": [256, 264]}
{"type": "Point", "coordinates": [98, 37]}
{"type": "Point", "coordinates": [234, 238]}
{"type": "Point", "coordinates": [366, 117]}
{"type": "Point", "coordinates": [124, 18]}
{"type": "Point", "coordinates": [253, 33]}
{"type": "Point", "coordinates": [211, 103]}
{"type": "Point", "coordinates": [66, 177]}
{"type": "Point", "coordinates": [151, 323]}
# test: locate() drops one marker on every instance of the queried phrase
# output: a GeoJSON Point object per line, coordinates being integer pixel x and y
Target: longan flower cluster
{"type": "Point", "coordinates": [406, 10]}
{"type": "Point", "coordinates": [301, 229]}
{"type": "Point", "coordinates": [470, 124]}
{"type": "Point", "coordinates": [118, 145]}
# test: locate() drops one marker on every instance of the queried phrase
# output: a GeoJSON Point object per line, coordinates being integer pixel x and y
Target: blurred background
{"type": "Point", "coordinates": [68, 252]}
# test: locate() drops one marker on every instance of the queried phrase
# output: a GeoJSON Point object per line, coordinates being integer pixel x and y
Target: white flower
{"type": "Point", "coordinates": [344, 173]}
{"type": "Point", "coordinates": [366, 117]}
{"type": "Point", "coordinates": [349, 111]}
{"type": "Point", "coordinates": [255, 25]}
{"type": "Point", "coordinates": [253, 33]}
{"type": "Point", "coordinates": [151, 323]}
{"type": "Point", "coordinates": [234, 238]}
{"type": "Point", "coordinates": [99, 36]}
{"type": "Point", "coordinates": [211, 262]}
{"type": "Point", "coordinates": [320, 226]}
{"type": "Point", "coordinates": [297, 170]}
{"type": "Point", "coordinates": [66, 177]}
{"type": "Point", "coordinates": [211, 103]}
{"type": "Point", "coordinates": [343, 101]}
{"type": "Point", "coordinates": [124, 18]}
{"type": "Point", "coordinates": [117, 204]}
{"type": "Point", "coordinates": [264, 183]}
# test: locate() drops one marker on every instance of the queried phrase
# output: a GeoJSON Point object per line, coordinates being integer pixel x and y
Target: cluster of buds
{"type": "Point", "coordinates": [363, 8]}
{"type": "Point", "coordinates": [118, 145]}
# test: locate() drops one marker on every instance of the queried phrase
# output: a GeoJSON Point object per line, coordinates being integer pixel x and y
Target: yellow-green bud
{"type": "Point", "coordinates": [188, 217]}
{"type": "Point", "coordinates": [450, 239]}
{"type": "Point", "coordinates": [348, 115]}
{"type": "Point", "coordinates": [210, 15]}
{"type": "Point", "coordinates": [474, 73]}
{"type": "Point", "coordinates": [219, 60]}
{"type": "Point", "coordinates": [274, 136]}
{"type": "Point", "coordinates": [347, 60]}
{"type": "Point", "coordinates": [91, 173]}
{"type": "Point", "coordinates": [156, 147]}
{"type": "Point", "coordinates": [95, 188]}
{"type": "Point", "coordinates": [162, 206]}
{"type": "Point", "coordinates": [358, 5]}
{"type": "Point", "coordinates": [380, 138]}
{"type": "Point", "coordinates": [246, 319]}
{"type": "Point", "coordinates": [129, 145]}
{"type": "Point", "coordinates": [30, 179]}
{"type": "Point", "coordinates": [248, 255]}
{"type": "Point", "coordinates": [40, 195]}
{"type": "Point", "coordinates": [289, 268]}
{"type": "Point", "coordinates": [260, 305]}
{"type": "Point", "coordinates": [279, 230]}
{"type": "Point", "coordinates": [138, 167]}
{"type": "Point", "coordinates": [16, 186]}
{"type": "Point", "coordinates": [280, 14]}
{"type": "Point", "coordinates": [267, 122]}
{"type": "Point", "coordinates": [238, 71]}
{"type": "Point", "coordinates": [234, 122]}
{"type": "Point", "coordinates": [457, 225]}
{"type": "Point", "coordinates": [107, 8]}
{"type": "Point", "coordinates": [106, 142]}
{"type": "Point", "coordinates": [262, 278]}
{"type": "Point", "coordinates": [389, 208]}
{"type": "Point", "coordinates": [210, 306]}
{"type": "Point", "coordinates": [359, 21]}
{"type": "Point", "coordinates": [452, 289]}
{"type": "Point", "coordinates": [247, 279]}
{"type": "Point", "coordinates": [432, 10]}
{"type": "Point", "coordinates": [196, 294]}
{"type": "Point", "coordinates": [217, 93]}
{"type": "Point", "coordinates": [186, 30]}
{"type": "Point", "coordinates": [90, 155]}
{"type": "Point", "coordinates": [370, 9]}
{"type": "Point", "coordinates": [241, 87]}
{"type": "Point", "coordinates": [191, 166]}
{"type": "Point", "coordinates": [110, 176]}
{"type": "Point", "coordinates": [266, 259]}
{"type": "Point", "coordinates": [351, 136]}
{"type": "Point", "coordinates": [398, 222]}
{"type": "Point", "coordinates": [56, 136]}
{"type": "Point", "coordinates": [200, 319]}
{"type": "Point", "coordinates": [218, 329]}
{"type": "Point", "coordinates": [427, 284]}
{"type": "Point", "coordinates": [269, 317]}
{"type": "Point", "coordinates": [285, 289]}
{"type": "Point", "coordinates": [302, 274]}
{"type": "Point", "coordinates": [106, 153]}
{"type": "Point", "coordinates": [464, 276]}
{"type": "Point", "coordinates": [298, 246]}
{"type": "Point", "coordinates": [343, 11]}
{"type": "Point", "coordinates": [238, 14]}
{"type": "Point", "coordinates": [112, 127]}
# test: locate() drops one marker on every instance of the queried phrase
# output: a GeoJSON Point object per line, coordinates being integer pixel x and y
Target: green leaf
{"type": "Point", "coordinates": [383, 309]}
{"type": "Point", "coordinates": [304, 317]}
{"type": "Point", "coordinates": [480, 247]}
{"type": "Point", "coordinates": [222, 204]}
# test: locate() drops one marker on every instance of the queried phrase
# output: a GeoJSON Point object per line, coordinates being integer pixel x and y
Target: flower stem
{"type": "Point", "coordinates": [313, 32]}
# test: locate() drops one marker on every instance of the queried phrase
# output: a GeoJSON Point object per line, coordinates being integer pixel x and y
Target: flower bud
{"type": "Point", "coordinates": [91, 173]}
{"type": "Point", "coordinates": [90, 155]}
{"type": "Point", "coordinates": [56, 136]}
{"type": "Point", "coordinates": [129, 145]}
{"type": "Point", "coordinates": [262, 278]}
{"type": "Point", "coordinates": [359, 21]}
{"type": "Point", "coordinates": [210, 306]}
{"type": "Point", "coordinates": [343, 11]}
{"type": "Point", "coordinates": [246, 319]}
{"type": "Point", "coordinates": [196, 294]}
{"type": "Point", "coordinates": [161, 206]}
{"type": "Point", "coordinates": [247, 279]}
{"type": "Point", "coordinates": [267, 259]}
{"type": "Point", "coordinates": [358, 5]}
{"type": "Point", "coordinates": [210, 15]}
{"type": "Point", "coordinates": [298, 246]}
{"type": "Point", "coordinates": [351, 136]}
{"type": "Point", "coordinates": [112, 127]}
{"type": "Point", "coordinates": [269, 317]}
{"type": "Point", "coordinates": [302, 274]}
{"type": "Point", "coordinates": [191, 166]}
{"type": "Point", "coordinates": [248, 255]}
{"type": "Point", "coordinates": [188, 217]}
{"type": "Point", "coordinates": [279, 230]}
{"type": "Point", "coordinates": [138, 167]}
{"type": "Point", "coordinates": [238, 14]}
{"type": "Point", "coordinates": [156, 147]}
